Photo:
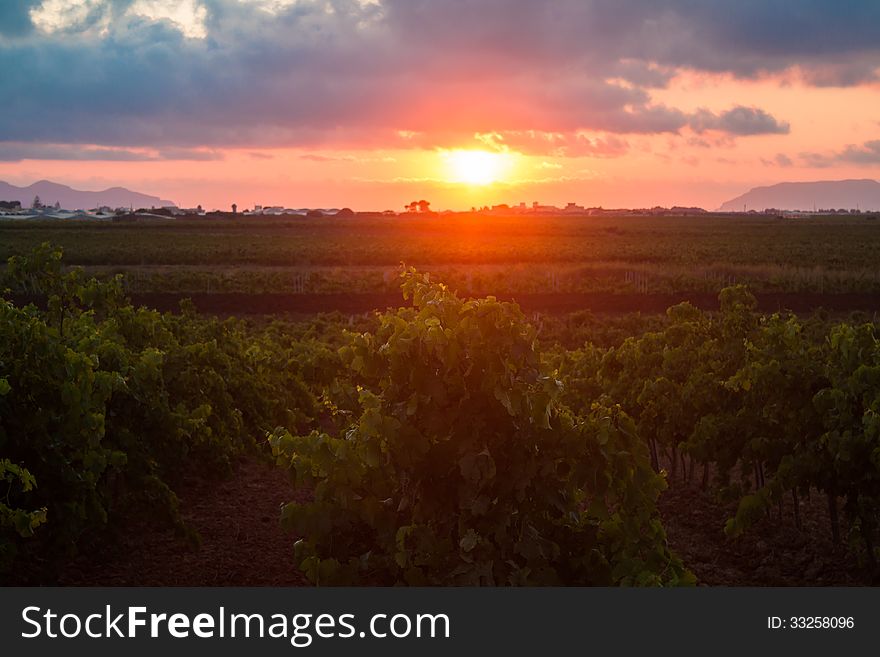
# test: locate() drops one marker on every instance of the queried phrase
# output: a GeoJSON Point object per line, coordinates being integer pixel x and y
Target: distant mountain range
{"type": "Point", "coordinates": [75, 199]}
{"type": "Point", "coordinates": [826, 194]}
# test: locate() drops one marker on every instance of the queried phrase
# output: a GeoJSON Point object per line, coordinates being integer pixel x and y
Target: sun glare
{"type": "Point", "coordinates": [473, 167]}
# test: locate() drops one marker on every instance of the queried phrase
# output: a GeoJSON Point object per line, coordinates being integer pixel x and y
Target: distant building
{"type": "Point", "coordinates": [544, 209]}
{"type": "Point", "coordinates": [187, 211]}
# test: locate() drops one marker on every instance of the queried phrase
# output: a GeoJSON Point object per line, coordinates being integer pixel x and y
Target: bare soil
{"type": "Point", "coordinates": [242, 543]}
{"type": "Point", "coordinates": [774, 552]}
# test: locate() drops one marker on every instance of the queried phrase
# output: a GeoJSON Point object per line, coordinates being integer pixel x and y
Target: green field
{"type": "Point", "coordinates": [480, 254]}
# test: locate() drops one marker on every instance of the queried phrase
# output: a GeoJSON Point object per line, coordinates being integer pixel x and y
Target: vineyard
{"type": "Point", "coordinates": [476, 255]}
{"type": "Point", "coordinates": [452, 440]}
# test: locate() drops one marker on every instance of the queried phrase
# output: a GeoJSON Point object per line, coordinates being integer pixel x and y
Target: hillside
{"type": "Point", "coordinates": [72, 199]}
{"type": "Point", "coordinates": [826, 194]}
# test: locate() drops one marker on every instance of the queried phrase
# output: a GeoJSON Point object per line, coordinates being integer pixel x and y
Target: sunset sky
{"type": "Point", "coordinates": [374, 103]}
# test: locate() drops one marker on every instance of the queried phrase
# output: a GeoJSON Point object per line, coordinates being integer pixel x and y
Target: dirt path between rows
{"type": "Point", "coordinates": [242, 543]}
{"type": "Point", "coordinates": [771, 553]}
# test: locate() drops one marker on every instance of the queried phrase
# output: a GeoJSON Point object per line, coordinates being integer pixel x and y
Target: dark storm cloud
{"type": "Point", "coordinates": [746, 37]}
{"type": "Point", "coordinates": [356, 73]}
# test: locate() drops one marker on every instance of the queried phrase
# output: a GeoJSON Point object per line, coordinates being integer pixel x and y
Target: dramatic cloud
{"type": "Point", "coordinates": [61, 15]}
{"type": "Point", "coordinates": [829, 43]}
{"type": "Point", "coordinates": [532, 142]}
{"type": "Point", "coordinates": [362, 73]}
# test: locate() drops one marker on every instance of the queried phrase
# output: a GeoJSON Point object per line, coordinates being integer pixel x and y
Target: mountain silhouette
{"type": "Point", "coordinates": [825, 194]}
{"type": "Point", "coordinates": [75, 199]}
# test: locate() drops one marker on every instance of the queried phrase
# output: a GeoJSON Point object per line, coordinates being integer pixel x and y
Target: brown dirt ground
{"type": "Point", "coordinates": [242, 543]}
{"type": "Point", "coordinates": [771, 553]}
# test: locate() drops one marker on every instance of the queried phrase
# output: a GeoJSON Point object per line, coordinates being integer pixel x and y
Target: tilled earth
{"type": "Point", "coordinates": [773, 552]}
{"type": "Point", "coordinates": [242, 543]}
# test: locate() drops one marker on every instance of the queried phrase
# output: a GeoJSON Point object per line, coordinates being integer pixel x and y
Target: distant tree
{"type": "Point", "coordinates": [57, 205]}
{"type": "Point", "coordinates": [418, 206]}
{"type": "Point", "coordinates": [37, 204]}
{"type": "Point", "coordinates": [234, 208]}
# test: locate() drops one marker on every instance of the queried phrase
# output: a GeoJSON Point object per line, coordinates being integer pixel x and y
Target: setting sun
{"type": "Point", "coordinates": [474, 167]}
